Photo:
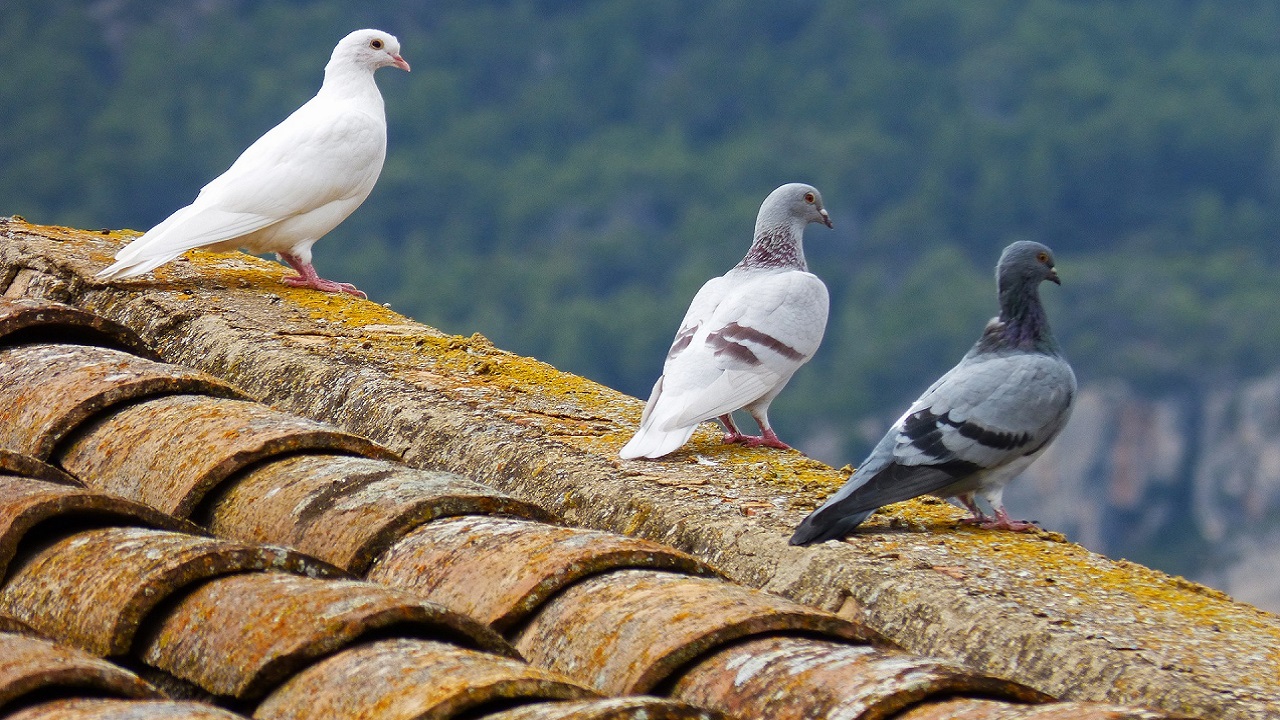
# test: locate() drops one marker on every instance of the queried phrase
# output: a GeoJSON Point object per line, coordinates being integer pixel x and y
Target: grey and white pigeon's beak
{"type": "Point", "coordinates": [1053, 276]}
{"type": "Point", "coordinates": [826, 219]}
{"type": "Point", "coordinates": [400, 62]}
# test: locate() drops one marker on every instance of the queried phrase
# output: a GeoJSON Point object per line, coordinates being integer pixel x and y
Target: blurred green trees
{"type": "Point", "coordinates": [562, 176]}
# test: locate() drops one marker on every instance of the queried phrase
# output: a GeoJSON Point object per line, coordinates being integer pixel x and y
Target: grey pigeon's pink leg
{"type": "Point", "coordinates": [976, 516]}
{"type": "Point", "coordinates": [309, 278]}
{"type": "Point", "coordinates": [1002, 522]}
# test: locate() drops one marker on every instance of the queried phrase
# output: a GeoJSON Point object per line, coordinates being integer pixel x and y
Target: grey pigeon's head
{"type": "Point", "coordinates": [792, 202]}
{"type": "Point", "coordinates": [371, 49]}
{"type": "Point", "coordinates": [1025, 264]}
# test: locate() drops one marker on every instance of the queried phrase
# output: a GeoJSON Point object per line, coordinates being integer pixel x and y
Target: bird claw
{"type": "Point", "coordinates": [766, 440]}
{"type": "Point", "coordinates": [324, 285]}
{"type": "Point", "coordinates": [1007, 524]}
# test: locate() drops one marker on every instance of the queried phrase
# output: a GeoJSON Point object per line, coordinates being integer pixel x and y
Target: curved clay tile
{"type": "Point", "coordinates": [406, 679]}
{"type": "Point", "coordinates": [627, 631]}
{"type": "Point", "coordinates": [31, 665]}
{"type": "Point", "coordinates": [26, 503]}
{"type": "Point", "coordinates": [137, 453]}
{"type": "Point", "coordinates": [50, 390]}
{"type": "Point", "coordinates": [13, 463]}
{"type": "Point", "coordinates": [499, 570]}
{"type": "Point", "coordinates": [975, 709]}
{"type": "Point", "coordinates": [25, 320]}
{"type": "Point", "coordinates": [243, 634]}
{"type": "Point", "coordinates": [94, 589]}
{"type": "Point", "coordinates": [790, 678]}
{"type": "Point", "coordinates": [348, 510]}
{"type": "Point", "coordinates": [110, 709]}
{"type": "Point", "coordinates": [625, 708]}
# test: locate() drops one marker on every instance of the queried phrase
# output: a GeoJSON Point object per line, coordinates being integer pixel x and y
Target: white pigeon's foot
{"type": "Point", "coordinates": [319, 283]}
{"type": "Point", "coordinates": [1002, 522]}
{"type": "Point", "coordinates": [309, 278]}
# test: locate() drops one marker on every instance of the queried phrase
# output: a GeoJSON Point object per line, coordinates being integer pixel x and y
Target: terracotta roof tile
{"type": "Point", "coordinates": [93, 589]}
{"type": "Point", "coordinates": [240, 635]}
{"type": "Point", "coordinates": [415, 679]}
{"type": "Point", "coordinates": [26, 503]}
{"type": "Point", "coordinates": [627, 631]}
{"type": "Point", "coordinates": [830, 680]}
{"type": "Point", "coordinates": [348, 510]}
{"type": "Point", "coordinates": [103, 709]}
{"type": "Point", "coordinates": [138, 452]}
{"type": "Point", "coordinates": [32, 666]}
{"type": "Point", "coordinates": [499, 570]}
{"type": "Point", "coordinates": [27, 320]}
{"type": "Point", "coordinates": [593, 612]}
{"type": "Point", "coordinates": [14, 463]}
{"type": "Point", "coordinates": [629, 708]}
{"type": "Point", "coordinates": [49, 390]}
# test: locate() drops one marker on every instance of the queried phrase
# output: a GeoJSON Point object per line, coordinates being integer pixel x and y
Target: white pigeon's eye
{"type": "Point", "coordinates": [376, 43]}
{"type": "Point", "coordinates": [808, 197]}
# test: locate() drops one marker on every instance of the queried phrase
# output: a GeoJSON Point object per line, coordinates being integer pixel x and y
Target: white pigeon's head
{"type": "Point", "coordinates": [793, 200]}
{"type": "Point", "coordinates": [369, 48]}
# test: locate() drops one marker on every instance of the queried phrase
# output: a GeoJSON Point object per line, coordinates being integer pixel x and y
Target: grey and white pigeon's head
{"type": "Point", "coordinates": [370, 49]}
{"type": "Point", "coordinates": [1026, 263]}
{"type": "Point", "coordinates": [791, 202]}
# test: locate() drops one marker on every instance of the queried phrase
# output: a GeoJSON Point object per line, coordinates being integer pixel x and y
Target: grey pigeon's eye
{"type": "Point", "coordinates": [1043, 257]}
{"type": "Point", "coordinates": [376, 43]}
{"type": "Point", "coordinates": [808, 197]}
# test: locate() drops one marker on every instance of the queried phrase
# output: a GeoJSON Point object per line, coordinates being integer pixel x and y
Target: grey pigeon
{"type": "Point", "coordinates": [295, 183]}
{"type": "Point", "coordinates": [744, 335]}
{"type": "Point", "coordinates": [978, 426]}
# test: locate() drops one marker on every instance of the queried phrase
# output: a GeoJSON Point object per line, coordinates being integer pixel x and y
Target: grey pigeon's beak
{"type": "Point", "coordinates": [1053, 276]}
{"type": "Point", "coordinates": [826, 219]}
{"type": "Point", "coordinates": [400, 62]}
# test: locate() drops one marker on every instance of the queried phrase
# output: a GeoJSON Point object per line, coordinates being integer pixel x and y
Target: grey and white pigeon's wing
{"type": "Point", "coordinates": [742, 339]}
{"type": "Point", "coordinates": [322, 160]}
{"type": "Point", "coordinates": [988, 412]}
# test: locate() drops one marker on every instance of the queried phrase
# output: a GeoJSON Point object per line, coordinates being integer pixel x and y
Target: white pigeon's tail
{"type": "Point", "coordinates": [131, 267]}
{"type": "Point", "coordinates": [186, 229]}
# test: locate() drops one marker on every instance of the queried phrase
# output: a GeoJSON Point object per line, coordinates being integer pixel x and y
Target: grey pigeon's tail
{"type": "Point", "coordinates": [823, 526]}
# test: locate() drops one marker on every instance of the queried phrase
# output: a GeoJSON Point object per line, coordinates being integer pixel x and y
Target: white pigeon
{"type": "Point", "coordinates": [744, 336]}
{"type": "Point", "coordinates": [980, 425]}
{"type": "Point", "coordinates": [295, 183]}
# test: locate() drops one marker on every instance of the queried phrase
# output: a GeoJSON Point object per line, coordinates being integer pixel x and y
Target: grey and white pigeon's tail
{"type": "Point", "coordinates": [650, 441]}
{"type": "Point", "coordinates": [820, 527]}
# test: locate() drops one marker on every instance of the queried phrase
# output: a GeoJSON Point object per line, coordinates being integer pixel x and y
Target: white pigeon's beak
{"type": "Point", "coordinates": [826, 219]}
{"type": "Point", "coordinates": [400, 62]}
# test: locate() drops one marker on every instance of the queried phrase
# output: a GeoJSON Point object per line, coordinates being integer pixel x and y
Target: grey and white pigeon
{"type": "Point", "coordinates": [295, 183]}
{"type": "Point", "coordinates": [744, 335]}
{"type": "Point", "coordinates": [978, 426]}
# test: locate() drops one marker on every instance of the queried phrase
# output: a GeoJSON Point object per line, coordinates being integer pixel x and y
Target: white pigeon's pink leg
{"type": "Point", "coordinates": [1002, 522]}
{"type": "Point", "coordinates": [309, 278]}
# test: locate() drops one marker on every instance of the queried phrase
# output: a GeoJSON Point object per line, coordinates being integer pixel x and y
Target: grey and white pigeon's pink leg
{"type": "Point", "coordinates": [766, 438]}
{"type": "Point", "coordinates": [309, 278]}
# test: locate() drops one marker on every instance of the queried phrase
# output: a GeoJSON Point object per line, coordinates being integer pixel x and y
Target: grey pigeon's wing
{"type": "Point", "coordinates": [987, 411]}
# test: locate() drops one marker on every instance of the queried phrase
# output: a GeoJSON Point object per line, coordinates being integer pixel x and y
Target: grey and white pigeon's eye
{"type": "Point", "coordinates": [376, 43]}
{"type": "Point", "coordinates": [808, 197]}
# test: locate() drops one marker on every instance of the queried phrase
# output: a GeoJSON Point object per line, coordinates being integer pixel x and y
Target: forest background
{"type": "Point", "coordinates": [562, 176]}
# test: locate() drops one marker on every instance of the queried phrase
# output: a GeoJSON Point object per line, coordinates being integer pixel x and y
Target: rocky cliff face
{"type": "Point", "coordinates": [1189, 482]}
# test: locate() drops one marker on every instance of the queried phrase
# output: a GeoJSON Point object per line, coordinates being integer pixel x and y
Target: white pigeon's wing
{"type": "Point", "coordinates": [319, 154]}
{"type": "Point", "coordinates": [761, 330]}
